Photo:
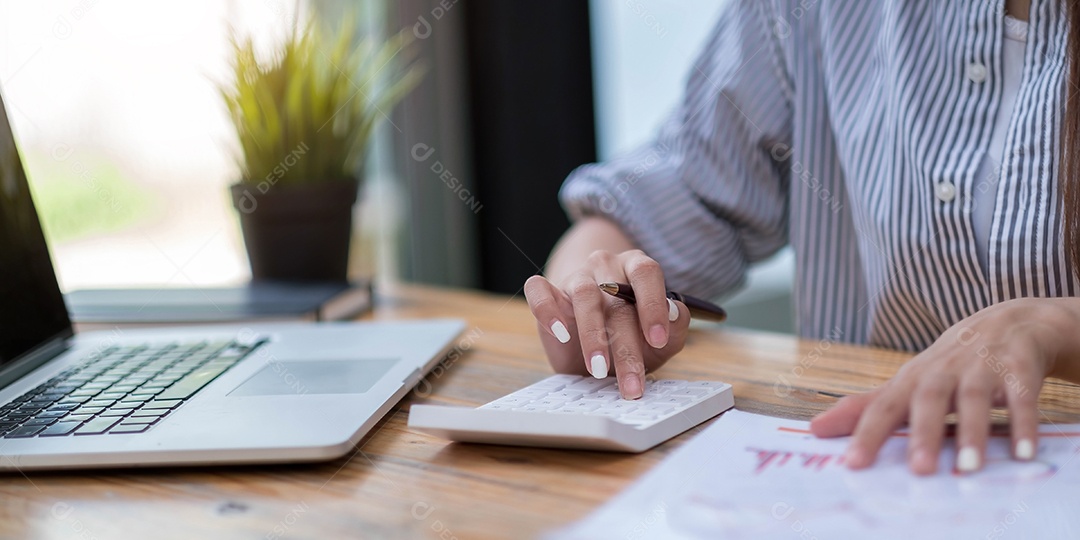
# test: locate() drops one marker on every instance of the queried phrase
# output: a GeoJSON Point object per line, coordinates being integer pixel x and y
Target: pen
{"type": "Point", "coordinates": [699, 309]}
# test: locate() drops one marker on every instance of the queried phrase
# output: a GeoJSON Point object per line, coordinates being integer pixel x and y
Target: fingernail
{"type": "Point", "coordinates": [658, 336]}
{"type": "Point", "coordinates": [853, 457]}
{"type": "Point", "coordinates": [631, 388]}
{"type": "Point", "coordinates": [968, 460]}
{"type": "Point", "coordinates": [1025, 449]}
{"type": "Point", "coordinates": [672, 311]}
{"type": "Point", "coordinates": [560, 332]}
{"type": "Point", "coordinates": [599, 366]}
{"type": "Point", "coordinates": [922, 461]}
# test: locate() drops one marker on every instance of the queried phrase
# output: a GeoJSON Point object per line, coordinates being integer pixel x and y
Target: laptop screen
{"type": "Point", "coordinates": [32, 310]}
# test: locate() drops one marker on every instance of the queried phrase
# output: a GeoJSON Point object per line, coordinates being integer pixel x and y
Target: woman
{"type": "Point", "coordinates": [918, 157]}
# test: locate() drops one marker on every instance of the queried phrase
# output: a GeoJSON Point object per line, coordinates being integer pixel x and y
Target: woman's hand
{"type": "Point", "coordinates": [586, 331]}
{"type": "Point", "coordinates": [995, 358]}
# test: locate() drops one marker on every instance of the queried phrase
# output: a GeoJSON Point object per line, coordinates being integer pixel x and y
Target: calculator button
{"type": "Point", "coordinates": [677, 400]}
{"type": "Point", "coordinates": [705, 384]}
{"type": "Point", "coordinates": [591, 384]}
{"type": "Point", "coordinates": [565, 395]}
{"type": "Point", "coordinates": [530, 393]}
{"type": "Point", "coordinates": [512, 400]}
{"type": "Point", "coordinates": [599, 398]}
{"type": "Point", "coordinates": [562, 378]}
{"type": "Point", "coordinates": [564, 411]}
{"type": "Point", "coordinates": [655, 408]}
{"type": "Point", "coordinates": [547, 387]}
{"type": "Point", "coordinates": [603, 411]}
{"type": "Point", "coordinates": [694, 391]}
{"type": "Point", "coordinates": [581, 406]}
{"type": "Point", "coordinates": [671, 384]}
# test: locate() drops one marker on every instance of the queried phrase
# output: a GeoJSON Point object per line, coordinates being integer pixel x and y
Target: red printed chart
{"type": "Point", "coordinates": [751, 476]}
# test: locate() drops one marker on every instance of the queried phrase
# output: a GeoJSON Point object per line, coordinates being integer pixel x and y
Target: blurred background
{"type": "Point", "coordinates": [130, 152]}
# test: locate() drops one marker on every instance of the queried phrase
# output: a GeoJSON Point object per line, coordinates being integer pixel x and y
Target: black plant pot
{"type": "Point", "coordinates": [297, 233]}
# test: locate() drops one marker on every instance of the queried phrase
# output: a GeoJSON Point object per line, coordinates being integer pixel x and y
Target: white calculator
{"type": "Point", "coordinates": [570, 411]}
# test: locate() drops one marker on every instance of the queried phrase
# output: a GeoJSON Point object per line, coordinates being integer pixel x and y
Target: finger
{"type": "Point", "coordinates": [654, 310]}
{"type": "Point", "coordinates": [842, 418]}
{"type": "Point", "coordinates": [973, 418]}
{"type": "Point", "coordinates": [882, 415]}
{"type": "Point", "coordinates": [563, 358]}
{"type": "Point", "coordinates": [1022, 397]}
{"type": "Point", "coordinates": [626, 349]}
{"type": "Point", "coordinates": [929, 405]}
{"type": "Point", "coordinates": [679, 330]}
{"type": "Point", "coordinates": [549, 306]}
{"type": "Point", "coordinates": [588, 305]}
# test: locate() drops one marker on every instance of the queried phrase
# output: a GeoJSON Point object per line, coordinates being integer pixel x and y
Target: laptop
{"type": "Point", "coordinates": [224, 394]}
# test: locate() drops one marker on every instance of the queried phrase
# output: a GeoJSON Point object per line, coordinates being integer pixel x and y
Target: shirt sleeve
{"type": "Point", "coordinates": [709, 196]}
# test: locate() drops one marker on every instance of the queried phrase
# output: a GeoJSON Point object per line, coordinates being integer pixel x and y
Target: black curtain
{"type": "Point", "coordinates": [531, 110]}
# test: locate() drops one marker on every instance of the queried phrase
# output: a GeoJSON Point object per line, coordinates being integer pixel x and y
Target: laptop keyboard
{"type": "Point", "coordinates": [121, 389]}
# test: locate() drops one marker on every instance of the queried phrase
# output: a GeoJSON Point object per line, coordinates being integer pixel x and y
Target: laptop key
{"type": "Point", "coordinates": [24, 432]}
{"type": "Point", "coordinates": [72, 399]}
{"type": "Point", "coordinates": [97, 426]}
{"type": "Point", "coordinates": [140, 420]}
{"type": "Point", "coordinates": [116, 412]}
{"type": "Point", "coordinates": [39, 421]}
{"type": "Point", "coordinates": [162, 404]}
{"type": "Point", "coordinates": [60, 428]}
{"type": "Point", "coordinates": [156, 413]}
{"type": "Point", "coordinates": [88, 410]}
{"type": "Point", "coordinates": [187, 386]}
{"type": "Point", "coordinates": [130, 428]}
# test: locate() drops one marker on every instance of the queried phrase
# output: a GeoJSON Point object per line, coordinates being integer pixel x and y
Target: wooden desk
{"type": "Point", "coordinates": [401, 484]}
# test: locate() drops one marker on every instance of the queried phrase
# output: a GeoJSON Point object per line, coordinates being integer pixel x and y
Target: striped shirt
{"type": "Point", "coordinates": [855, 132]}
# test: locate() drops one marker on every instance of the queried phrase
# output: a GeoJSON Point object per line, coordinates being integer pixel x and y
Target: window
{"type": "Point", "coordinates": [124, 136]}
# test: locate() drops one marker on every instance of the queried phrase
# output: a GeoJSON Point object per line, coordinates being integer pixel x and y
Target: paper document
{"type": "Point", "coordinates": [752, 476]}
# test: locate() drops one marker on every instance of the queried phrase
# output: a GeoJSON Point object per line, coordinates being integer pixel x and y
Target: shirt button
{"type": "Point", "coordinates": [945, 191]}
{"type": "Point", "coordinates": [976, 72]}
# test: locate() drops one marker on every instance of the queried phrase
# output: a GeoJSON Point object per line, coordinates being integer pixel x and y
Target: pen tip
{"type": "Point", "coordinates": [610, 288]}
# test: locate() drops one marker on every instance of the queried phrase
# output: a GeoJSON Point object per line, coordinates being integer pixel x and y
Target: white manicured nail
{"type": "Point", "coordinates": [968, 460]}
{"type": "Point", "coordinates": [560, 332]}
{"type": "Point", "coordinates": [1025, 449]}
{"type": "Point", "coordinates": [599, 366]}
{"type": "Point", "coordinates": [672, 311]}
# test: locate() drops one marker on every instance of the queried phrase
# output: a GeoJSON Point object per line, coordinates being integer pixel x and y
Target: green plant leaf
{"type": "Point", "coordinates": [308, 112]}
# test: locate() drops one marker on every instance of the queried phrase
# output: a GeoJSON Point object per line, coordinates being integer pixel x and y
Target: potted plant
{"type": "Point", "coordinates": [304, 117]}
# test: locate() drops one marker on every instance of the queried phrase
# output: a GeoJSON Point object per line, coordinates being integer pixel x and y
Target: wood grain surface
{"type": "Point", "coordinates": [402, 484]}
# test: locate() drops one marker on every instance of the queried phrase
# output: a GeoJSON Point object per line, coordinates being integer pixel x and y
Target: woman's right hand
{"type": "Point", "coordinates": [584, 330]}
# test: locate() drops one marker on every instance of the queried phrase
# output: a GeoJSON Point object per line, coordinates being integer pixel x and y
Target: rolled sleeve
{"type": "Point", "coordinates": [709, 195]}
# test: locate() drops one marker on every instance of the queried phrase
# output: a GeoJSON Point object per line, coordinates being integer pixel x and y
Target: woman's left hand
{"type": "Point", "coordinates": [995, 358]}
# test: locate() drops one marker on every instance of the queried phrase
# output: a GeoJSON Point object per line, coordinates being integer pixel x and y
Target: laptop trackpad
{"type": "Point", "coordinates": [315, 377]}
